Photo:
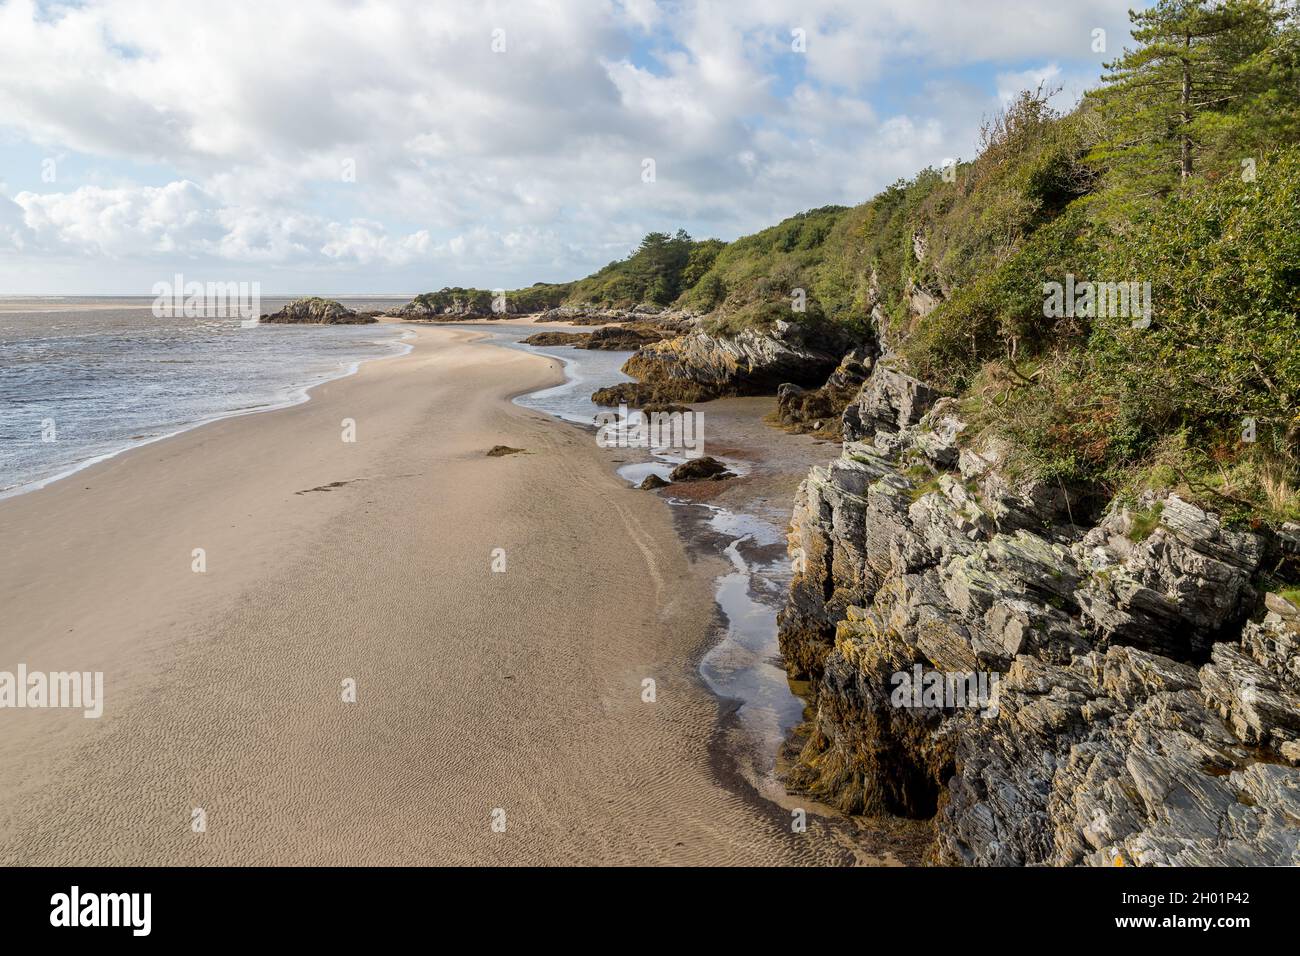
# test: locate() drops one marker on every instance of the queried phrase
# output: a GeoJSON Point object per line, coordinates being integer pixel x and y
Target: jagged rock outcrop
{"type": "Point", "coordinates": [1119, 755]}
{"type": "Point", "coordinates": [701, 365]}
{"type": "Point", "coordinates": [821, 409]}
{"type": "Point", "coordinates": [1151, 592]}
{"type": "Point", "coordinates": [878, 317]}
{"type": "Point", "coordinates": [648, 394]}
{"type": "Point", "coordinates": [317, 311]}
{"type": "Point", "coordinates": [1136, 710]}
{"type": "Point", "coordinates": [622, 338]}
{"type": "Point", "coordinates": [891, 400]}
{"type": "Point", "coordinates": [610, 338]}
{"type": "Point", "coordinates": [920, 300]}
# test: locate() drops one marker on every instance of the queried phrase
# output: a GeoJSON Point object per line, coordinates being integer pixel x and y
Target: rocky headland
{"type": "Point", "coordinates": [453, 305]}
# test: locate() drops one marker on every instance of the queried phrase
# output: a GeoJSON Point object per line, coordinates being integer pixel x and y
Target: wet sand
{"type": "Point", "coordinates": [476, 691]}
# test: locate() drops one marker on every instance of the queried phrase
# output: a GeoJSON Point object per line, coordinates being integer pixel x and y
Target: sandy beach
{"type": "Point", "coordinates": [476, 690]}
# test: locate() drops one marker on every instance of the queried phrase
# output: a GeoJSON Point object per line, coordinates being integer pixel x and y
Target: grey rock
{"type": "Point", "coordinates": [889, 400]}
{"type": "Point", "coordinates": [1274, 643]}
{"type": "Point", "coordinates": [1173, 591]}
{"type": "Point", "coordinates": [1139, 712]}
{"type": "Point", "coordinates": [1281, 606]}
{"type": "Point", "coordinates": [1250, 698]}
{"type": "Point", "coordinates": [920, 300]}
{"type": "Point", "coordinates": [1110, 758]}
{"type": "Point", "coordinates": [752, 361]}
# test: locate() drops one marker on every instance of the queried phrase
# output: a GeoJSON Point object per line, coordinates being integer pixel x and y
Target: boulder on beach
{"type": "Point", "coordinates": [701, 365]}
{"type": "Point", "coordinates": [652, 482]}
{"type": "Point", "coordinates": [705, 468]}
{"type": "Point", "coordinates": [609, 338]}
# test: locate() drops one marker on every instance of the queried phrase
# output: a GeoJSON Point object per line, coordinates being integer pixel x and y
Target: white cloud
{"type": "Point", "coordinates": [1064, 89]}
{"type": "Point", "coordinates": [533, 156]}
{"type": "Point", "coordinates": [181, 219]}
{"type": "Point", "coordinates": [15, 235]}
{"type": "Point", "coordinates": [93, 220]}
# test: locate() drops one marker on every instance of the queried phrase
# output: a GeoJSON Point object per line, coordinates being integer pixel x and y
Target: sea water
{"type": "Point", "coordinates": [82, 379]}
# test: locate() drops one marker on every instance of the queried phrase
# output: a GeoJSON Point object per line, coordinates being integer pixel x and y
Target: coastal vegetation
{"type": "Point", "coordinates": [535, 298]}
{"type": "Point", "coordinates": [1178, 175]}
{"type": "Point", "coordinates": [657, 273]}
{"type": "Point", "coordinates": [1074, 462]}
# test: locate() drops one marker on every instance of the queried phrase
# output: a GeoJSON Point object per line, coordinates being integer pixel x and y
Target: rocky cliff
{"type": "Point", "coordinates": [821, 410]}
{"type": "Point", "coordinates": [1142, 705]}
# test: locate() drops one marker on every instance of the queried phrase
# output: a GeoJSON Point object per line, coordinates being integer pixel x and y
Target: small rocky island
{"type": "Point", "coordinates": [317, 311]}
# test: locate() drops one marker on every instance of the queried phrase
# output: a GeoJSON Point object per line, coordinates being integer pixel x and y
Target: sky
{"type": "Point", "coordinates": [345, 147]}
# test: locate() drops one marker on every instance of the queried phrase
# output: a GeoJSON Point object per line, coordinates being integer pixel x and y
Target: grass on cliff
{"type": "Point", "coordinates": [1200, 395]}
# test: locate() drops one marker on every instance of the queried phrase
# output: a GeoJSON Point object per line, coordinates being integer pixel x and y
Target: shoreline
{"type": "Point", "coordinates": [770, 464]}
{"type": "Point", "coordinates": [776, 462]}
{"type": "Point", "coordinates": [177, 646]}
{"type": "Point", "coordinates": [297, 395]}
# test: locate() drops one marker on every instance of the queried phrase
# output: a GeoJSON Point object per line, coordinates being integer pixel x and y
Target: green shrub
{"type": "Point", "coordinates": [1223, 345]}
{"type": "Point", "coordinates": [656, 273]}
{"type": "Point", "coordinates": [753, 281]}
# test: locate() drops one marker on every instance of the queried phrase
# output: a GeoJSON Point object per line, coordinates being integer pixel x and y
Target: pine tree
{"type": "Point", "coordinates": [1185, 96]}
